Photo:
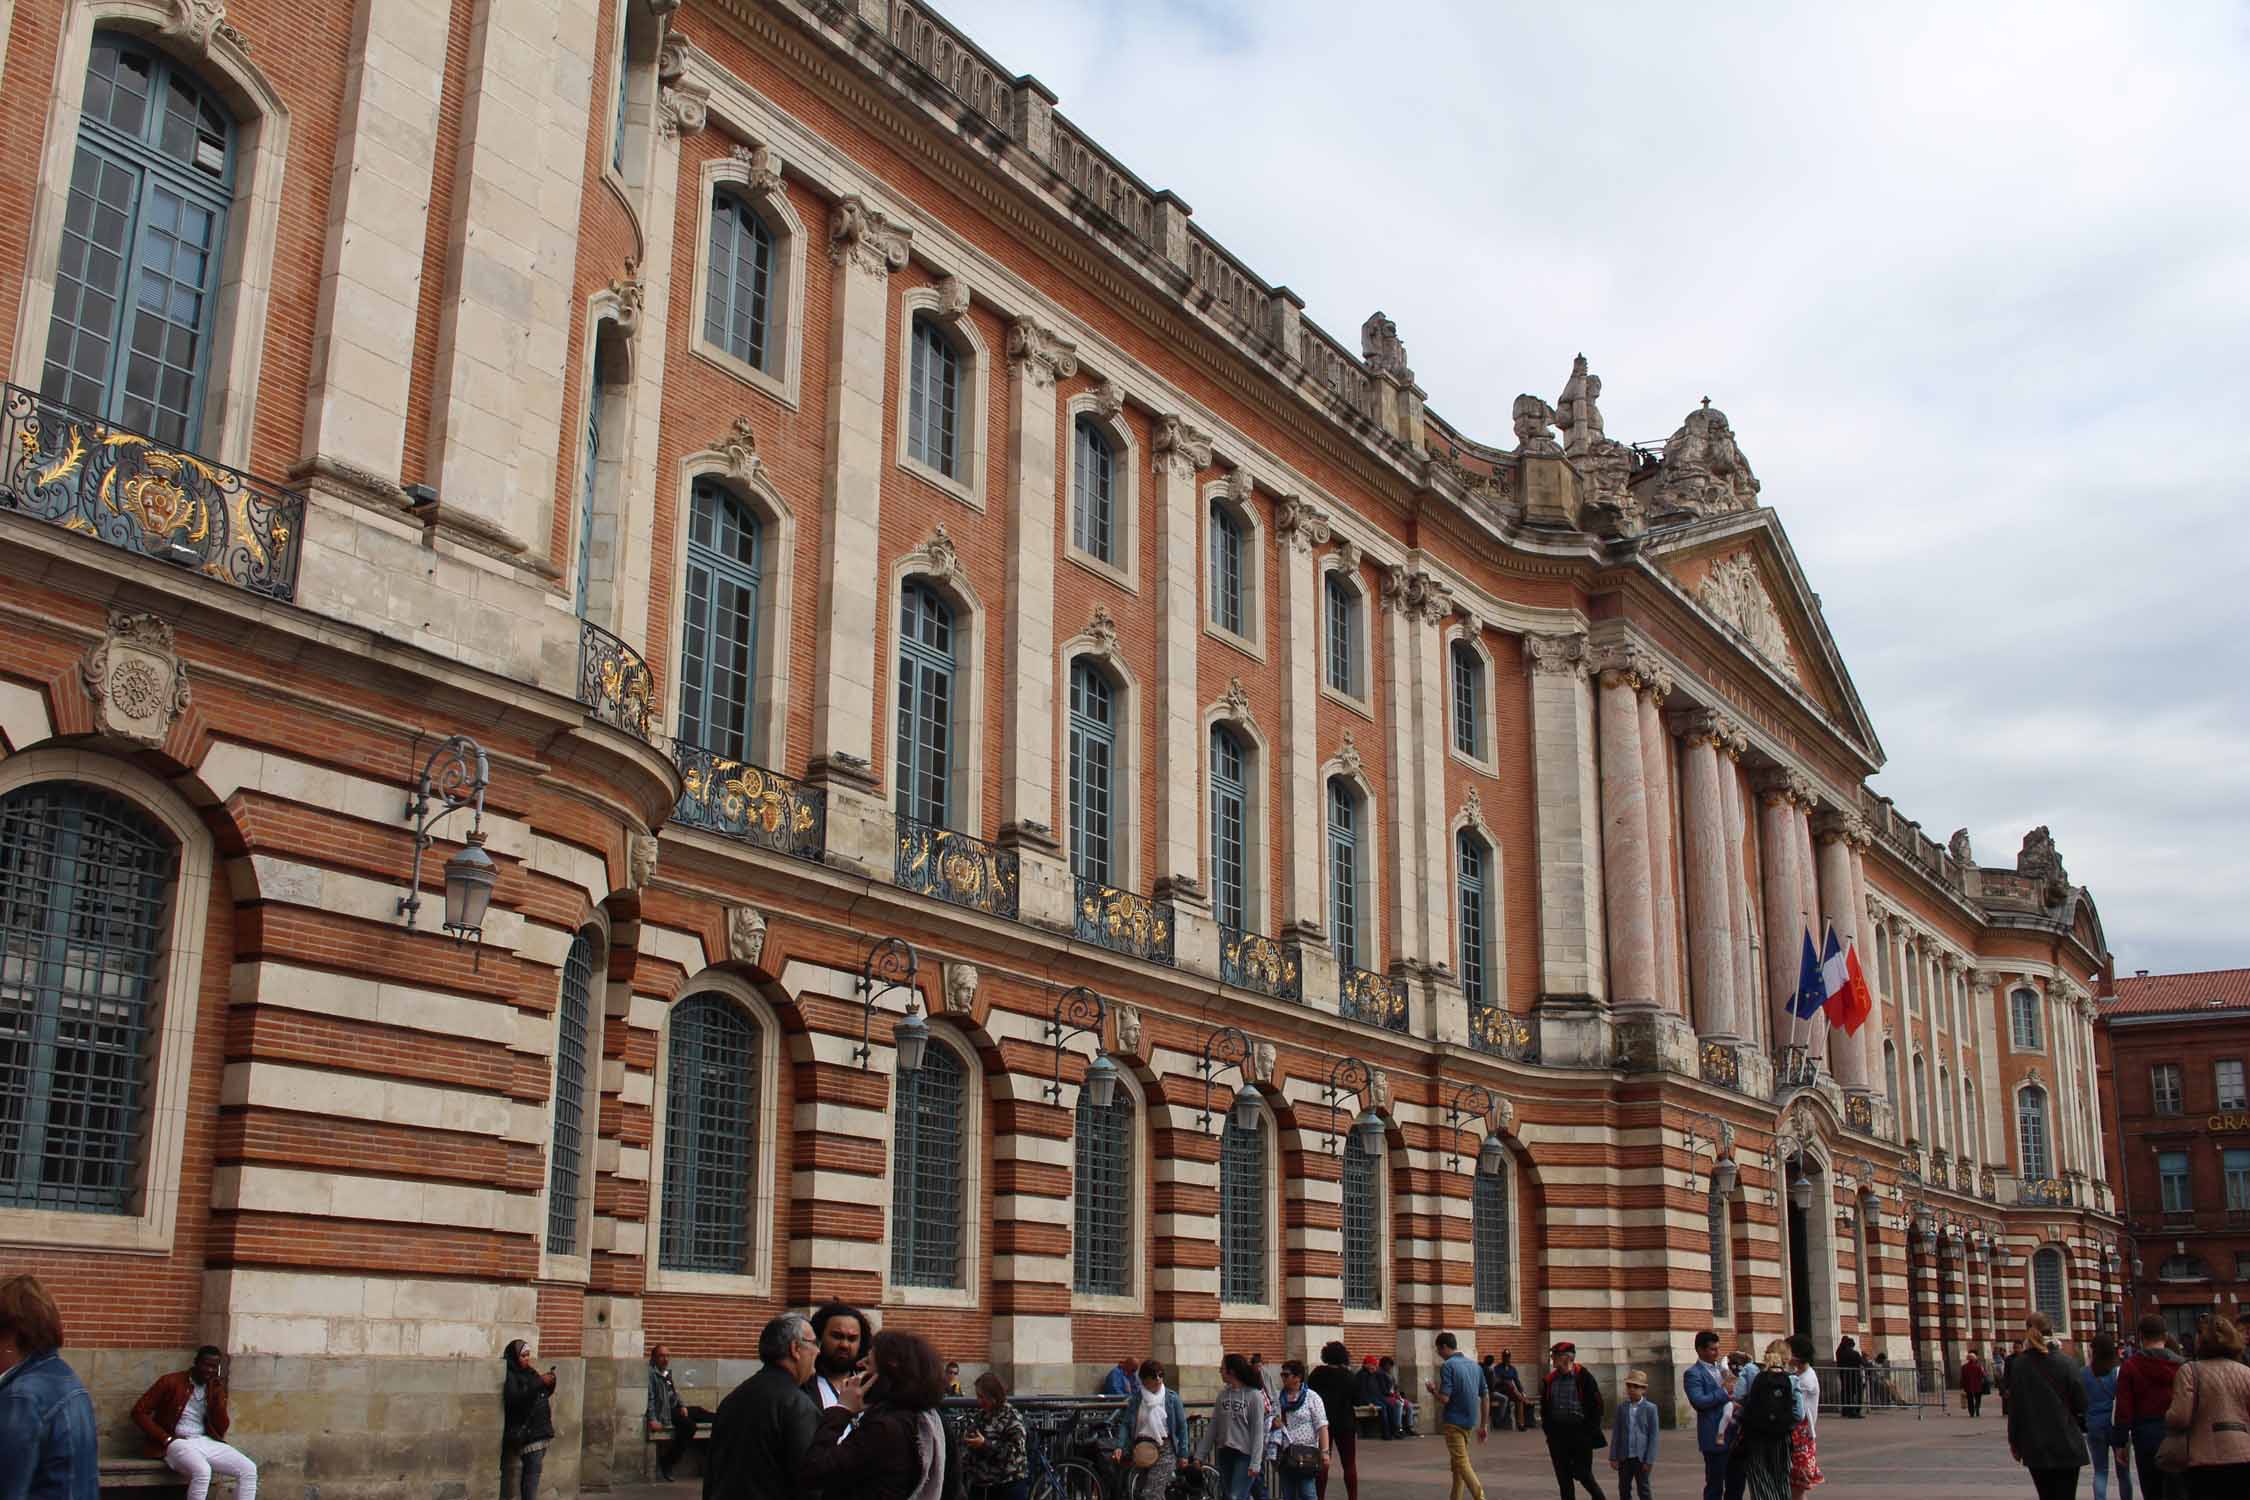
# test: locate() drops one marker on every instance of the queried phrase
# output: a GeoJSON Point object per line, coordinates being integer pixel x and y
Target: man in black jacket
{"type": "Point", "coordinates": [765, 1425]}
{"type": "Point", "coordinates": [1570, 1402]}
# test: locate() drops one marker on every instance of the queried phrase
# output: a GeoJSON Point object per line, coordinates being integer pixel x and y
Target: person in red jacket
{"type": "Point", "coordinates": [184, 1416]}
{"type": "Point", "coordinates": [2144, 1392]}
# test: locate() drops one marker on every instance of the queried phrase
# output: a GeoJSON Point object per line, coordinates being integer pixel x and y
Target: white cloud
{"type": "Point", "coordinates": [1972, 282]}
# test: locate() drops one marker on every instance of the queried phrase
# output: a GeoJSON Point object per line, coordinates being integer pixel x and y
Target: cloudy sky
{"type": "Point", "coordinates": [1971, 281]}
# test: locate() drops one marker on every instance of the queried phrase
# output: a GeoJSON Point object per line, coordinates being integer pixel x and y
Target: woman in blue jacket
{"type": "Point", "coordinates": [2101, 1400]}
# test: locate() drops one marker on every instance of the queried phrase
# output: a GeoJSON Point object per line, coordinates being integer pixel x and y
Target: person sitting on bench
{"type": "Point", "coordinates": [185, 1418]}
{"type": "Point", "coordinates": [667, 1410]}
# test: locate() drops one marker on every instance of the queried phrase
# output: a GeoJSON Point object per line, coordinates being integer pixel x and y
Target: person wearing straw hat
{"type": "Point", "coordinates": [1632, 1441]}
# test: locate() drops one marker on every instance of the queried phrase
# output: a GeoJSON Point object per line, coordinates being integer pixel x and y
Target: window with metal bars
{"type": "Point", "coordinates": [933, 400]}
{"type": "Point", "coordinates": [1716, 1212]}
{"type": "Point", "coordinates": [1363, 1225]}
{"type": "Point", "coordinates": [1343, 873]}
{"type": "Point", "coordinates": [143, 239]}
{"type": "Point", "coordinates": [1470, 887]}
{"type": "Point", "coordinates": [710, 1137]}
{"type": "Point", "coordinates": [1093, 758]}
{"type": "Point", "coordinates": [2023, 1014]}
{"type": "Point", "coordinates": [1242, 1214]}
{"type": "Point", "coordinates": [2047, 1286]}
{"type": "Point", "coordinates": [1228, 562]}
{"type": "Point", "coordinates": [1093, 491]}
{"type": "Point", "coordinates": [925, 706]}
{"type": "Point", "coordinates": [83, 881]}
{"type": "Point", "coordinates": [2031, 1132]}
{"type": "Point", "coordinates": [1468, 699]}
{"type": "Point", "coordinates": [1343, 636]}
{"type": "Point", "coordinates": [1492, 1235]}
{"type": "Point", "coordinates": [927, 1169]}
{"type": "Point", "coordinates": [719, 624]}
{"type": "Point", "coordinates": [1102, 1252]}
{"type": "Point", "coordinates": [566, 1159]}
{"type": "Point", "coordinates": [1229, 830]}
{"type": "Point", "coordinates": [738, 284]}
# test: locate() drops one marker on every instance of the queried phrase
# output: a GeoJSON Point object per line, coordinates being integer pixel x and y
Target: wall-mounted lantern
{"type": "Point", "coordinates": [454, 777]}
{"type": "Point", "coordinates": [1492, 1154]}
{"type": "Point", "coordinates": [890, 966]}
{"type": "Point", "coordinates": [1078, 1012]}
{"type": "Point", "coordinates": [1226, 1047]}
{"type": "Point", "coordinates": [1348, 1075]}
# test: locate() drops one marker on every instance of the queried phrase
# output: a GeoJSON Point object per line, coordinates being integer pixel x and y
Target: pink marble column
{"type": "Point", "coordinates": [1664, 902]}
{"type": "Point", "coordinates": [1710, 918]}
{"type": "Point", "coordinates": [1839, 906]}
{"type": "Point", "coordinates": [1625, 844]}
{"type": "Point", "coordinates": [1777, 863]}
{"type": "Point", "coordinates": [1748, 1015]}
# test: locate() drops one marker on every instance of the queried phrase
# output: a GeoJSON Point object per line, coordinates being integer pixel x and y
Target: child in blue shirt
{"type": "Point", "coordinates": [1632, 1440]}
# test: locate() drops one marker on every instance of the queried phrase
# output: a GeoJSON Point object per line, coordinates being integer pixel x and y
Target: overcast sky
{"type": "Point", "coordinates": [1972, 283]}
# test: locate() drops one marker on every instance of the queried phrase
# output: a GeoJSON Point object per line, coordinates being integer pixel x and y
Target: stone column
{"type": "Point", "coordinates": [1567, 811]}
{"type": "Point", "coordinates": [1664, 901]}
{"type": "Point", "coordinates": [1296, 822]}
{"type": "Point", "coordinates": [1749, 1014]}
{"type": "Point", "coordinates": [1710, 916]}
{"type": "Point", "coordinates": [1184, 1281]}
{"type": "Point", "coordinates": [865, 249]}
{"type": "Point", "coordinates": [1625, 842]}
{"type": "Point", "coordinates": [1777, 864]}
{"type": "Point", "coordinates": [1181, 454]}
{"type": "Point", "coordinates": [1403, 629]}
{"type": "Point", "coordinates": [1838, 905]}
{"type": "Point", "coordinates": [1433, 605]}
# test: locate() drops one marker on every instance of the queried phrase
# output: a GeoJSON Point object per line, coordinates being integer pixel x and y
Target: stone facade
{"type": "Point", "coordinates": [462, 356]}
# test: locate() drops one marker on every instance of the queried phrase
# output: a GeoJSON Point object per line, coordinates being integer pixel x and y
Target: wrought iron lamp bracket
{"type": "Point", "coordinates": [1226, 1047]}
{"type": "Point", "coordinates": [1457, 1111]}
{"type": "Point", "coordinates": [454, 777]}
{"type": "Point", "coordinates": [1078, 1012]}
{"type": "Point", "coordinates": [1346, 1075]}
{"type": "Point", "coordinates": [889, 966]}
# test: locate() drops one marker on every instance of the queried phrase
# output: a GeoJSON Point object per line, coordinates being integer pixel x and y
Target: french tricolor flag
{"type": "Point", "coordinates": [1849, 1001]}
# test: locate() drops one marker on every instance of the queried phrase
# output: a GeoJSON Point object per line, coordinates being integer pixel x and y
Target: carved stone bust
{"type": "Point", "coordinates": [746, 934]}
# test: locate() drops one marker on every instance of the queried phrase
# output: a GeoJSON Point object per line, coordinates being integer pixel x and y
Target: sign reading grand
{"type": "Point", "coordinates": [2236, 1120]}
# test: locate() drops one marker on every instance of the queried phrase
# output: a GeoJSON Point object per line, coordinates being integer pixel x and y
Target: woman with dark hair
{"type": "Point", "coordinates": [996, 1464]}
{"type": "Point", "coordinates": [2101, 1401]}
{"type": "Point", "coordinates": [1235, 1440]}
{"type": "Point", "coordinates": [882, 1439]}
{"type": "Point", "coordinates": [527, 1420]}
{"type": "Point", "coordinates": [1332, 1382]}
{"type": "Point", "coordinates": [46, 1417]}
{"type": "Point", "coordinates": [1300, 1417]}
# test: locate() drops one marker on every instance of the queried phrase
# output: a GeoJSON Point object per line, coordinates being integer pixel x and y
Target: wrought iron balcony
{"type": "Point", "coordinates": [1364, 995]}
{"type": "Point", "coordinates": [954, 867]}
{"type": "Point", "coordinates": [1257, 962]}
{"type": "Point", "coordinates": [1123, 922]}
{"type": "Point", "coordinates": [1502, 1033]}
{"type": "Point", "coordinates": [614, 683]}
{"type": "Point", "coordinates": [750, 803]}
{"type": "Point", "coordinates": [1720, 1064]}
{"type": "Point", "coordinates": [78, 472]}
{"type": "Point", "coordinates": [2048, 1191]}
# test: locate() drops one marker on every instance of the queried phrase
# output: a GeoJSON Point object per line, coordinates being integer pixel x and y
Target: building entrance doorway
{"type": "Point", "coordinates": [1800, 1266]}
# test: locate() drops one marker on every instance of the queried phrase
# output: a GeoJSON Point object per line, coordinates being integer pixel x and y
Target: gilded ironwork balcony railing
{"type": "Point", "coordinates": [1720, 1064]}
{"type": "Point", "coordinates": [952, 866]}
{"type": "Point", "coordinates": [1123, 922]}
{"type": "Point", "coordinates": [1257, 962]}
{"type": "Point", "coordinates": [1502, 1033]}
{"type": "Point", "coordinates": [750, 803]}
{"type": "Point", "coordinates": [614, 683]}
{"type": "Point", "coordinates": [1859, 1113]}
{"type": "Point", "coordinates": [2049, 1191]}
{"type": "Point", "coordinates": [1364, 995]}
{"type": "Point", "coordinates": [1988, 1185]}
{"type": "Point", "coordinates": [83, 474]}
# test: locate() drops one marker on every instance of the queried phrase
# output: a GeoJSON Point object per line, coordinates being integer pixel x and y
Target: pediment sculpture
{"type": "Point", "coordinates": [1703, 471]}
{"type": "Point", "coordinates": [1734, 591]}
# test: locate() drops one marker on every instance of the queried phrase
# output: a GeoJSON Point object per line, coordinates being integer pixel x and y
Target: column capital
{"type": "Point", "coordinates": [1836, 826]}
{"type": "Point", "coordinates": [1410, 592]}
{"type": "Point", "coordinates": [1302, 523]}
{"type": "Point", "coordinates": [1180, 448]}
{"type": "Point", "coordinates": [1780, 785]}
{"type": "Point", "coordinates": [1040, 352]}
{"type": "Point", "coordinates": [863, 237]}
{"type": "Point", "coordinates": [1556, 655]}
{"type": "Point", "coordinates": [1981, 981]}
{"type": "Point", "coordinates": [682, 109]}
{"type": "Point", "coordinates": [1701, 726]}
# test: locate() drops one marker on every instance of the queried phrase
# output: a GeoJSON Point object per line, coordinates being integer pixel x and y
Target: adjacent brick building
{"type": "Point", "coordinates": [844, 504]}
{"type": "Point", "coordinates": [2173, 1049]}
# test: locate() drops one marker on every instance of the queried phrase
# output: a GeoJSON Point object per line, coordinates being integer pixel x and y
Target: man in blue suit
{"type": "Point", "coordinates": [1709, 1386]}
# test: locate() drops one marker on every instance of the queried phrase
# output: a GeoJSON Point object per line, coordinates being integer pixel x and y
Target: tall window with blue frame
{"type": "Point", "coordinates": [1343, 636]}
{"type": "Point", "coordinates": [933, 400]}
{"type": "Point", "coordinates": [1229, 559]}
{"type": "Point", "coordinates": [719, 624]}
{"type": "Point", "coordinates": [710, 1137]}
{"type": "Point", "coordinates": [1093, 490]}
{"type": "Point", "coordinates": [1343, 874]}
{"type": "Point", "coordinates": [1093, 780]}
{"type": "Point", "coordinates": [925, 706]}
{"type": "Point", "coordinates": [624, 94]}
{"type": "Point", "coordinates": [1362, 1225]}
{"type": "Point", "coordinates": [927, 1168]}
{"type": "Point", "coordinates": [738, 284]}
{"type": "Point", "coordinates": [1230, 800]}
{"type": "Point", "coordinates": [143, 238]}
{"type": "Point", "coordinates": [1468, 700]}
{"type": "Point", "coordinates": [1470, 859]}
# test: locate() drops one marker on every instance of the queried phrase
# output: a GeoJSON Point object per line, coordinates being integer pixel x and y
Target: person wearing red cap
{"type": "Point", "coordinates": [1571, 1403]}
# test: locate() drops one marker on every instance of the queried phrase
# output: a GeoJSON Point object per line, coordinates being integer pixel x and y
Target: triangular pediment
{"type": "Point", "coordinates": [1741, 573]}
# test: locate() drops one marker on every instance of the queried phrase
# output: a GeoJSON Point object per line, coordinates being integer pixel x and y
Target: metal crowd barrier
{"type": "Point", "coordinates": [1880, 1388]}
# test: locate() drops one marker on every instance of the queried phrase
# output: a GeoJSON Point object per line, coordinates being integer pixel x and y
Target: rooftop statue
{"type": "Point", "coordinates": [1703, 472]}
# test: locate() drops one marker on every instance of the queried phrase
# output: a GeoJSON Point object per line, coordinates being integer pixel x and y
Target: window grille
{"type": "Point", "coordinates": [926, 1171]}
{"type": "Point", "coordinates": [1092, 491]}
{"type": "Point", "coordinates": [1102, 1250]}
{"type": "Point", "coordinates": [1093, 753]}
{"type": "Point", "coordinates": [710, 1137]}
{"type": "Point", "coordinates": [933, 401]}
{"type": "Point", "coordinates": [1343, 873]}
{"type": "Point", "coordinates": [1229, 830]}
{"type": "Point", "coordinates": [2047, 1285]}
{"type": "Point", "coordinates": [1468, 699]}
{"type": "Point", "coordinates": [2227, 1089]}
{"type": "Point", "coordinates": [1717, 1214]}
{"type": "Point", "coordinates": [2164, 1086]}
{"type": "Point", "coordinates": [83, 881]}
{"type": "Point", "coordinates": [566, 1160]}
{"type": "Point", "coordinates": [143, 240]}
{"type": "Point", "coordinates": [1242, 1214]}
{"type": "Point", "coordinates": [719, 624]}
{"type": "Point", "coordinates": [1493, 1243]}
{"type": "Point", "coordinates": [1226, 570]}
{"type": "Point", "coordinates": [1343, 636]}
{"type": "Point", "coordinates": [2031, 1133]}
{"type": "Point", "coordinates": [1470, 888]}
{"type": "Point", "coordinates": [1362, 1221]}
{"type": "Point", "coordinates": [2172, 1181]}
{"type": "Point", "coordinates": [925, 706]}
{"type": "Point", "coordinates": [738, 286]}
{"type": "Point", "coordinates": [2023, 1011]}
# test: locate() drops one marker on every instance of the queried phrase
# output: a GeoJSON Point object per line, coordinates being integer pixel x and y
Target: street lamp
{"type": "Point", "coordinates": [1081, 1011]}
{"type": "Point", "coordinates": [1492, 1154]}
{"type": "Point", "coordinates": [1226, 1047]}
{"type": "Point", "coordinates": [1709, 1130]}
{"type": "Point", "coordinates": [1348, 1075]}
{"type": "Point", "coordinates": [454, 777]}
{"type": "Point", "coordinates": [889, 966]}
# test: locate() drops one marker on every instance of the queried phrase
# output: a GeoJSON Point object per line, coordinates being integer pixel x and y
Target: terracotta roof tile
{"type": "Point", "coordinates": [2158, 994]}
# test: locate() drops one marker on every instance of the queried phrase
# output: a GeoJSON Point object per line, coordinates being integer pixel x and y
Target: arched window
{"type": "Point", "coordinates": [1468, 700]}
{"type": "Point", "coordinates": [719, 624]}
{"type": "Point", "coordinates": [925, 706]}
{"type": "Point", "coordinates": [1229, 569]}
{"type": "Point", "coordinates": [143, 238]}
{"type": "Point", "coordinates": [1363, 1225]}
{"type": "Point", "coordinates": [1242, 1213]}
{"type": "Point", "coordinates": [927, 1170]}
{"type": "Point", "coordinates": [1229, 830]}
{"type": "Point", "coordinates": [1922, 1103]}
{"type": "Point", "coordinates": [84, 876]}
{"type": "Point", "coordinates": [2023, 1018]}
{"type": "Point", "coordinates": [1890, 1087]}
{"type": "Point", "coordinates": [566, 1160]}
{"type": "Point", "coordinates": [710, 1137]}
{"type": "Point", "coordinates": [738, 295]}
{"type": "Point", "coordinates": [2031, 1133]}
{"type": "Point", "coordinates": [1492, 1236]}
{"type": "Point", "coordinates": [2047, 1286]}
{"type": "Point", "coordinates": [933, 400]}
{"type": "Point", "coordinates": [1102, 1252]}
{"type": "Point", "coordinates": [1093, 763]}
{"type": "Point", "coordinates": [1475, 913]}
{"type": "Point", "coordinates": [1343, 874]}
{"type": "Point", "coordinates": [1093, 490]}
{"type": "Point", "coordinates": [1346, 650]}
{"type": "Point", "coordinates": [1945, 1106]}
{"type": "Point", "coordinates": [1972, 1122]}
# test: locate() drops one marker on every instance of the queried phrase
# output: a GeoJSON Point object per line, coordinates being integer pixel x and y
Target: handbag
{"type": "Point", "coordinates": [1303, 1460]}
{"type": "Point", "coordinates": [2172, 1453]}
{"type": "Point", "coordinates": [1145, 1453]}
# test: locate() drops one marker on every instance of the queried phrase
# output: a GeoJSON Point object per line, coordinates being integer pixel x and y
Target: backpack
{"type": "Point", "coordinates": [1770, 1410]}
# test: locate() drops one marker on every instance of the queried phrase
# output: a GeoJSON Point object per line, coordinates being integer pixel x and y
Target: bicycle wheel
{"type": "Point", "coordinates": [1068, 1481]}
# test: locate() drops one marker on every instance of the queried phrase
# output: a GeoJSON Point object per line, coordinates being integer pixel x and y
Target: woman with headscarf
{"type": "Point", "coordinates": [882, 1440]}
{"type": "Point", "coordinates": [527, 1420]}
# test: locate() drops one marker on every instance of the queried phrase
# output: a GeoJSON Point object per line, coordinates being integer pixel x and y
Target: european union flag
{"type": "Point", "coordinates": [1811, 993]}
